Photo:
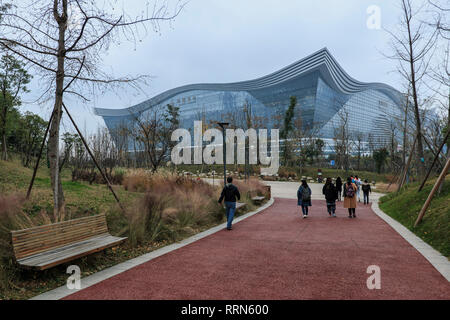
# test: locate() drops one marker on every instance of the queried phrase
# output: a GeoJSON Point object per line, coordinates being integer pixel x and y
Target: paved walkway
{"type": "Point", "coordinates": [278, 255]}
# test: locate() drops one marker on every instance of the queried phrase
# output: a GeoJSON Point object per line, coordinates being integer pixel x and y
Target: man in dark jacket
{"type": "Point", "coordinates": [331, 194]}
{"type": "Point", "coordinates": [230, 193]}
{"type": "Point", "coordinates": [366, 190]}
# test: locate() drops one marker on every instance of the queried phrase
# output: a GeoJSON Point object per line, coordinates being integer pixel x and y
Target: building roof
{"type": "Point", "coordinates": [321, 61]}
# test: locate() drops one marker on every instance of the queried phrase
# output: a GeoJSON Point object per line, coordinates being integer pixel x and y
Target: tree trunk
{"type": "Point", "coordinates": [420, 156]}
{"type": "Point", "coordinates": [405, 131]}
{"type": "Point", "coordinates": [53, 154]}
{"type": "Point", "coordinates": [448, 142]}
{"type": "Point", "coordinates": [53, 141]}
{"type": "Point", "coordinates": [4, 146]}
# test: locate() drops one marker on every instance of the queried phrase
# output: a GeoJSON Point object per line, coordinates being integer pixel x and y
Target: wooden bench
{"type": "Point", "coordinates": [253, 195]}
{"type": "Point", "coordinates": [46, 246]}
{"type": "Point", "coordinates": [240, 205]}
{"type": "Point", "coordinates": [258, 199]}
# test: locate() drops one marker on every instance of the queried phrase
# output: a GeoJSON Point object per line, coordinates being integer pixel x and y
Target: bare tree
{"type": "Point", "coordinates": [359, 140]}
{"type": "Point", "coordinates": [121, 140]}
{"type": "Point", "coordinates": [154, 131]}
{"type": "Point", "coordinates": [441, 22]}
{"type": "Point", "coordinates": [13, 81]}
{"type": "Point", "coordinates": [412, 47]}
{"type": "Point", "coordinates": [65, 41]}
{"type": "Point", "coordinates": [342, 140]}
{"type": "Point", "coordinates": [404, 126]}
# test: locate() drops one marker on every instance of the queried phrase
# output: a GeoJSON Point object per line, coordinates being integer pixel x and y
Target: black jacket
{"type": "Point", "coordinates": [330, 192]}
{"type": "Point", "coordinates": [230, 192]}
{"type": "Point", "coordinates": [339, 185]}
{"type": "Point", "coordinates": [366, 188]}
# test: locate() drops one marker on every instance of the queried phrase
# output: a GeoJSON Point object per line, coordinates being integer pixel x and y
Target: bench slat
{"type": "Point", "coordinates": [51, 233]}
{"type": "Point", "coordinates": [258, 198]}
{"type": "Point", "coordinates": [21, 242]}
{"type": "Point", "coordinates": [74, 222]}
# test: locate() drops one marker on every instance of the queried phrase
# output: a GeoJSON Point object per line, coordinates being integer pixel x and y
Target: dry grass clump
{"type": "Point", "coordinates": [251, 187]}
{"type": "Point", "coordinates": [12, 217]}
{"type": "Point", "coordinates": [286, 173]}
{"type": "Point", "coordinates": [136, 180]}
{"type": "Point", "coordinates": [172, 205]}
{"type": "Point", "coordinates": [385, 187]}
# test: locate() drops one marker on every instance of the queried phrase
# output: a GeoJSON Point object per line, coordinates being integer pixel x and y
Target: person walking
{"type": "Point", "coordinates": [366, 190]}
{"type": "Point", "coordinates": [330, 192]}
{"type": "Point", "coordinates": [339, 188]}
{"type": "Point", "coordinates": [350, 198]}
{"type": "Point", "coordinates": [230, 193]}
{"type": "Point", "coordinates": [358, 187]}
{"type": "Point", "coordinates": [304, 198]}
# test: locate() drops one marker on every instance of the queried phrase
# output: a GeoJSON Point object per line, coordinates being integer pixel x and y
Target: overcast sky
{"type": "Point", "coordinates": [234, 40]}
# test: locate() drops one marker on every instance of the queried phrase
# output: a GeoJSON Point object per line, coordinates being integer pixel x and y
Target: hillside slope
{"type": "Point", "coordinates": [435, 227]}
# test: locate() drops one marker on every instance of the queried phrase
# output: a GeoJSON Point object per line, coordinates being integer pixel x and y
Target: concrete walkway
{"type": "Point", "coordinates": [276, 254]}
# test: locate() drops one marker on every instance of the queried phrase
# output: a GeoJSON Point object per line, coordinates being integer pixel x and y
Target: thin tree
{"type": "Point", "coordinates": [359, 136]}
{"type": "Point", "coordinates": [287, 129]}
{"type": "Point", "coordinates": [342, 139]}
{"type": "Point", "coordinates": [65, 41]}
{"type": "Point", "coordinates": [412, 48]}
{"type": "Point", "coordinates": [13, 81]}
{"type": "Point", "coordinates": [153, 133]}
{"type": "Point", "coordinates": [441, 22]}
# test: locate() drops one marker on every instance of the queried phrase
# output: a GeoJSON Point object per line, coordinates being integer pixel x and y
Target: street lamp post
{"type": "Point", "coordinates": [223, 125]}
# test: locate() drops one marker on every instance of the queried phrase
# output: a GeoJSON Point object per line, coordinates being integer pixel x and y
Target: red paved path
{"type": "Point", "coordinates": [277, 255]}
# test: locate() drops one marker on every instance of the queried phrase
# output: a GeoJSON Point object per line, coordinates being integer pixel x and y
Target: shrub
{"type": "Point", "coordinates": [285, 173]}
{"type": "Point", "coordinates": [13, 218]}
{"type": "Point", "coordinates": [172, 205]}
{"type": "Point", "coordinates": [145, 219]}
{"type": "Point", "coordinates": [93, 176]}
{"type": "Point", "coordinates": [136, 180]}
{"type": "Point", "coordinates": [253, 185]}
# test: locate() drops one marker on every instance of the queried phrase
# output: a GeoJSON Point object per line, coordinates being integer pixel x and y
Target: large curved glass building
{"type": "Point", "coordinates": [325, 93]}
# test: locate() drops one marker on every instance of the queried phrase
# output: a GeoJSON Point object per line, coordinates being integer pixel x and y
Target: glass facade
{"type": "Point", "coordinates": [325, 94]}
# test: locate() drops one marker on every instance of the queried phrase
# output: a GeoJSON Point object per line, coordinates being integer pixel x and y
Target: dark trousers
{"type": "Point", "coordinates": [366, 198]}
{"type": "Point", "coordinates": [305, 210]}
{"type": "Point", "coordinates": [331, 207]}
{"type": "Point", "coordinates": [351, 211]}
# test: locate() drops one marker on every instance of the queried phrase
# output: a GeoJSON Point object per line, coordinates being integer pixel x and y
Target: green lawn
{"type": "Point", "coordinates": [435, 227]}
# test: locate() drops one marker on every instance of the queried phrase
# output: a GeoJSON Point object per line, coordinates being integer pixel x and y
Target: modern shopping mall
{"type": "Point", "coordinates": [326, 96]}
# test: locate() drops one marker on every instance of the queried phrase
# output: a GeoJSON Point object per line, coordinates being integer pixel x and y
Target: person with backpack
{"type": "Point", "coordinates": [366, 190]}
{"type": "Point", "coordinates": [339, 188]}
{"type": "Point", "coordinates": [304, 197]}
{"type": "Point", "coordinates": [230, 193]}
{"type": "Point", "coordinates": [350, 198]}
{"type": "Point", "coordinates": [330, 192]}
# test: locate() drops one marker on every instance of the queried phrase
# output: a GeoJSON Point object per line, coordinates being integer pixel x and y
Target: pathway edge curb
{"type": "Point", "coordinates": [439, 262]}
{"type": "Point", "coordinates": [63, 291]}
